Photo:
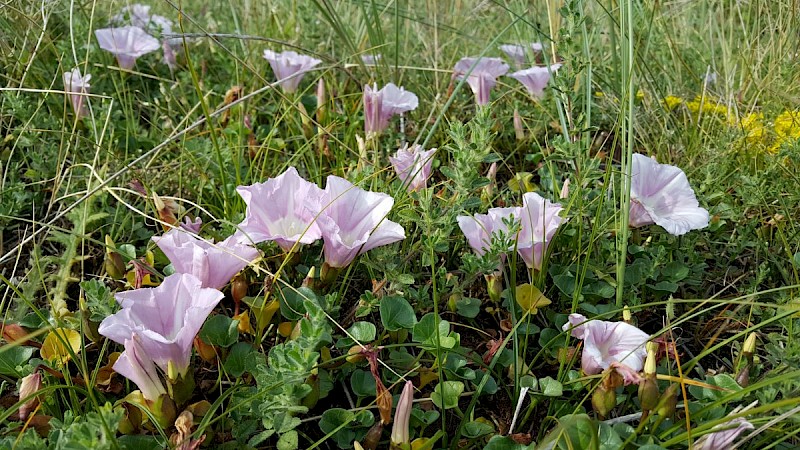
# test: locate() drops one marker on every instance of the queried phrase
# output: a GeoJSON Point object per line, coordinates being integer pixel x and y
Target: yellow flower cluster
{"type": "Point", "coordinates": [785, 128]}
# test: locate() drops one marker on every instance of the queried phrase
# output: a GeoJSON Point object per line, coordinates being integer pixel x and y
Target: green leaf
{"type": "Point", "coordinates": [723, 380]}
{"type": "Point", "coordinates": [609, 439]}
{"type": "Point", "coordinates": [291, 300]}
{"type": "Point", "coordinates": [397, 314]}
{"type": "Point", "coordinates": [447, 393]}
{"type": "Point", "coordinates": [572, 432]}
{"type": "Point", "coordinates": [139, 442]}
{"type": "Point", "coordinates": [505, 443]}
{"type": "Point", "coordinates": [345, 425]}
{"type": "Point", "coordinates": [220, 330]}
{"type": "Point", "coordinates": [665, 286]}
{"type": "Point", "coordinates": [551, 387]}
{"type": "Point", "coordinates": [362, 383]}
{"type": "Point", "coordinates": [12, 358]}
{"type": "Point", "coordinates": [362, 331]}
{"type": "Point", "coordinates": [675, 271]}
{"type": "Point", "coordinates": [288, 441]}
{"type": "Point", "coordinates": [99, 300]}
{"type": "Point", "coordinates": [468, 307]}
{"type": "Point", "coordinates": [237, 360]}
{"type": "Point", "coordinates": [476, 429]}
{"type": "Point", "coordinates": [426, 330]}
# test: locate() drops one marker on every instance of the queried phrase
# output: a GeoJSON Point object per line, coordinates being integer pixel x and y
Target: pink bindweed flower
{"type": "Point", "coordinates": [353, 221]}
{"type": "Point", "coordinates": [518, 52]}
{"type": "Point", "coordinates": [660, 194]}
{"type": "Point", "coordinates": [540, 220]}
{"type": "Point", "coordinates": [126, 43]}
{"type": "Point", "coordinates": [135, 365]}
{"type": "Point", "coordinates": [213, 264]}
{"type": "Point", "coordinates": [136, 14]}
{"type": "Point", "coordinates": [479, 228]}
{"type": "Point", "coordinates": [165, 318]}
{"type": "Point", "coordinates": [402, 415]}
{"type": "Point", "coordinates": [371, 60]}
{"type": "Point", "coordinates": [289, 67]}
{"type": "Point", "coordinates": [483, 73]}
{"type": "Point", "coordinates": [535, 79]}
{"type": "Point", "coordinates": [723, 439]}
{"type": "Point", "coordinates": [192, 225]}
{"type": "Point", "coordinates": [413, 167]}
{"type": "Point", "coordinates": [606, 343]}
{"type": "Point", "coordinates": [75, 85]}
{"type": "Point", "coordinates": [381, 105]}
{"type": "Point", "coordinates": [282, 209]}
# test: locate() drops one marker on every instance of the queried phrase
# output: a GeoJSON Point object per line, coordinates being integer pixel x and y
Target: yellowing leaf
{"type": "Point", "coordinates": [54, 348]}
{"type": "Point", "coordinates": [530, 298]}
{"type": "Point", "coordinates": [522, 182]}
{"type": "Point", "coordinates": [244, 322]}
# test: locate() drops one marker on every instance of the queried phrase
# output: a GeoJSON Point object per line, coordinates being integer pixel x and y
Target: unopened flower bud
{"type": "Point", "coordinates": [668, 401]}
{"type": "Point", "coordinates": [494, 285]}
{"type": "Point", "coordinates": [373, 437]}
{"type": "Point", "coordinates": [402, 415]}
{"type": "Point", "coordinates": [749, 346]}
{"type": "Point", "coordinates": [519, 132]}
{"type": "Point", "coordinates": [239, 288]}
{"type": "Point", "coordinates": [321, 99]}
{"type": "Point", "coordinates": [30, 385]}
{"type": "Point", "coordinates": [650, 361]}
{"type": "Point", "coordinates": [309, 281]}
{"type": "Point", "coordinates": [603, 400]}
{"type": "Point", "coordinates": [166, 211]}
{"type": "Point", "coordinates": [626, 312]}
{"type": "Point", "coordinates": [565, 194]}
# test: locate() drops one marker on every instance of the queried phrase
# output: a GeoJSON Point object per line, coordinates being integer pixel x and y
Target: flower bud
{"type": "Point", "coordinates": [565, 194]}
{"type": "Point", "coordinates": [650, 361]}
{"type": "Point", "coordinates": [749, 346]}
{"type": "Point", "coordinates": [166, 211]}
{"type": "Point", "coordinates": [309, 281]}
{"type": "Point", "coordinates": [30, 385]}
{"type": "Point", "coordinates": [321, 100]}
{"type": "Point", "coordinates": [239, 288]}
{"type": "Point", "coordinates": [519, 132]}
{"type": "Point", "coordinates": [648, 393]}
{"type": "Point", "coordinates": [402, 415]}
{"type": "Point", "coordinates": [494, 285]}
{"type": "Point", "coordinates": [668, 401]}
{"type": "Point", "coordinates": [603, 400]}
{"type": "Point", "coordinates": [373, 437]}
{"type": "Point", "coordinates": [626, 312]}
